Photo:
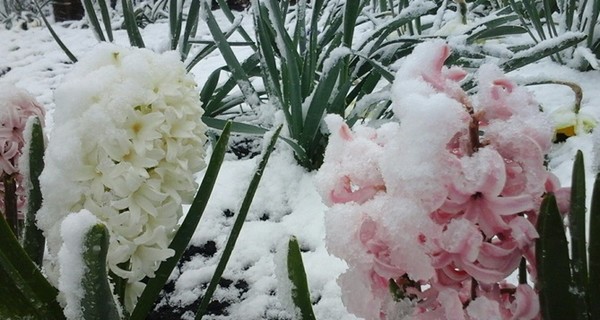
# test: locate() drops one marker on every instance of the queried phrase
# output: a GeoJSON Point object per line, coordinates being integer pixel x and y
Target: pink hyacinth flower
{"type": "Point", "coordinates": [16, 106]}
{"type": "Point", "coordinates": [479, 198]}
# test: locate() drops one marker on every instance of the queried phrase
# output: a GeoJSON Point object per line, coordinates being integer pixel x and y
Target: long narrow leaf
{"type": "Point", "coordinates": [106, 19]}
{"type": "Point", "coordinates": [594, 252]}
{"type": "Point", "coordinates": [18, 272]}
{"type": "Point", "coordinates": [190, 27]}
{"type": "Point", "coordinates": [186, 230]}
{"type": "Point", "coordinates": [54, 35]}
{"type": "Point", "coordinates": [175, 21]}
{"type": "Point", "coordinates": [93, 19]}
{"type": "Point", "coordinates": [237, 226]}
{"type": "Point", "coordinates": [133, 32]}
{"type": "Point", "coordinates": [33, 238]}
{"type": "Point", "coordinates": [542, 50]}
{"type": "Point", "coordinates": [239, 127]}
{"type": "Point", "coordinates": [577, 232]}
{"type": "Point", "coordinates": [236, 68]}
{"type": "Point", "coordinates": [297, 275]}
{"type": "Point", "coordinates": [554, 273]}
{"type": "Point", "coordinates": [98, 302]}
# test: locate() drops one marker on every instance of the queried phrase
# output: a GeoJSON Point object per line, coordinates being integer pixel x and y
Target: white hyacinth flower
{"type": "Point", "coordinates": [127, 140]}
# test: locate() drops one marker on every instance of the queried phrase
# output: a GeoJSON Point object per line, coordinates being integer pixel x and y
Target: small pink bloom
{"type": "Point", "coordinates": [526, 305]}
{"type": "Point", "coordinates": [479, 198]}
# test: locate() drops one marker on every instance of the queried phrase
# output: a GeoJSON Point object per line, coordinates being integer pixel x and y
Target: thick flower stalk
{"type": "Point", "coordinates": [16, 107]}
{"type": "Point", "coordinates": [126, 144]}
{"type": "Point", "coordinates": [434, 211]}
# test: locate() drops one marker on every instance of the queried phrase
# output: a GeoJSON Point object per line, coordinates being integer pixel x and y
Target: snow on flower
{"type": "Point", "coordinates": [16, 107]}
{"type": "Point", "coordinates": [126, 143]}
{"type": "Point", "coordinates": [440, 206]}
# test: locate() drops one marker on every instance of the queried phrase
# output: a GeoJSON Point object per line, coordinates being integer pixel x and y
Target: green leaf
{"type": "Point", "coordinates": [98, 302]}
{"type": "Point", "coordinates": [237, 226]}
{"type": "Point", "coordinates": [239, 127]}
{"type": "Point", "coordinates": [33, 238]}
{"type": "Point", "coordinates": [175, 22]}
{"type": "Point", "coordinates": [186, 230]}
{"type": "Point", "coordinates": [594, 252]}
{"type": "Point", "coordinates": [497, 32]}
{"type": "Point", "coordinates": [54, 35]}
{"type": "Point", "coordinates": [554, 271]}
{"type": "Point", "coordinates": [191, 25]}
{"type": "Point", "coordinates": [93, 19]}
{"type": "Point", "coordinates": [25, 293]}
{"type": "Point", "coordinates": [297, 275]}
{"type": "Point", "coordinates": [351, 11]}
{"type": "Point", "coordinates": [236, 68]}
{"type": "Point", "coordinates": [577, 232]}
{"type": "Point", "coordinates": [539, 51]}
{"type": "Point", "coordinates": [106, 19]}
{"type": "Point", "coordinates": [135, 38]}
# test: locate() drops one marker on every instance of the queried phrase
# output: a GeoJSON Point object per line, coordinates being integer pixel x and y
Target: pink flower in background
{"type": "Point", "coordinates": [472, 219]}
{"type": "Point", "coordinates": [16, 107]}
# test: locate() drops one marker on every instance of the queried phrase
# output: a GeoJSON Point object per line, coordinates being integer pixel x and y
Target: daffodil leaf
{"type": "Point", "coordinates": [237, 226]}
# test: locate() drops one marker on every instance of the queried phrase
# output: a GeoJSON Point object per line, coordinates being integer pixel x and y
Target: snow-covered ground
{"type": "Point", "coordinates": [286, 203]}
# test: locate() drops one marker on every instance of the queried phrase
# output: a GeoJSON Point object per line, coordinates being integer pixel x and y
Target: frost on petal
{"type": "Point", "coordinates": [483, 308]}
{"type": "Point", "coordinates": [526, 305]}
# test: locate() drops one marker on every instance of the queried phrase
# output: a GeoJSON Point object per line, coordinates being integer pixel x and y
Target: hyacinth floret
{"type": "Point", "coordinates": [127, 141]}
{"type": "Point", "coordinates": [432, 212]}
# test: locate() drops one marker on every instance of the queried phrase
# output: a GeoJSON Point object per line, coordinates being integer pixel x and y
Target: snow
{"type": "Point", "coordinates": [287, 195]}
{"type": "Point", "coordinates": [73, 229]}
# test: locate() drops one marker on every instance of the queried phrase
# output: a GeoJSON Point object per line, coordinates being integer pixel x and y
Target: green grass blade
{"type": "Point", "coordinates": [497, 32]}
{"type": "Point", "coordinates": [541, 50]}
{"type": "Point", "coordinates": [244, 128]}
{"type": "Point", "coordinates": [19, 273]}
{"type": "Point", "coordinates": [592, 25]}
{"type": "Point", "coordinates": [290, 62]}
{"type": "Point", "coordinates": [133, 32]}
{"type": "Point", "coordinates": [594, 253]}
{"type": "Point", "coordinates": [175, 22]}
{"type": "Point", "coordinates": [319, 103]}
{"type": "Point", "coordinates": [186, 230]}
{"type": "Point", "coordinates": [54, 35]}
{"type": "Point", "coordinates": [229, 15]}
{"type": "Point", "coordinates": [236, 68]}
{"type": "Point", "coordinates": [191, 25]}
{"type": "Point", "coordinates": [351, 11]}
{"type": "Point", "coordinates": [300, 29]}
{"type": "Point", "coordinates": [297, 275]}
{"type": "Point", "coordinates": [106, 19]}
{"type": "Point", "coordinates": [33, 238]}
{"type": "Point", "coordinates": [214, 105]}
{"type": "Point", "coordinates": [415, 10]}
{"type": "Point", "coordinates": [237, 226]}
{"type": "Point", "coordinates": [554, 272]}
{"type": "Point", "coordinates": [93, 19]}
{"type": "Point", "coordinates": [577, 231]}
{"type": "Point", "coordinates": [98, 302]}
